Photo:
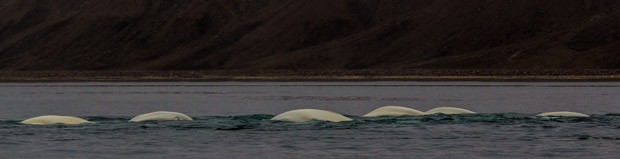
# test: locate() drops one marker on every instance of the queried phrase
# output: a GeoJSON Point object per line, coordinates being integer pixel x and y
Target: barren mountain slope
{"type": "Point", "coordinates": [308, 34]}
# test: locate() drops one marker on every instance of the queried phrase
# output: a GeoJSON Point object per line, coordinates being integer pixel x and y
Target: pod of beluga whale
{"type": "Point", "coordinates": [395, 111]}
{"type": "Point", "coordinates": [298, 115]}
{"type": "Point", "coordinates": [71, 120]}
{"type": "Point", "coordinates": [304, 115]}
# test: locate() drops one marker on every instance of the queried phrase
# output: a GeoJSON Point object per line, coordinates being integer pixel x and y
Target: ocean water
{"type": "Point", "coordinates": [232, 120]}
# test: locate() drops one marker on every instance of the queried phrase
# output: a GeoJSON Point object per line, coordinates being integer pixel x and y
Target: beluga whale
{"type": "Point", "coordinates": [160, 116]}
{"type": "Point", "coordinates": [563, 114]}
{"type": "Point", "coordinates": [448, 111]}
{"type": "Point", "coordinates": [393, 111]}
{"type": "Point", "coordinates": [304, 115]}
{"type": "Point", "coordinates": [56, 119]}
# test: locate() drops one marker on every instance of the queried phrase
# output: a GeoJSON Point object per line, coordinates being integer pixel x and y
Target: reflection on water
{"type": "Point", "coordinates": [23, 100]}
{"type": "Point", "coordinates": [153, 92]}
{"type": "Point", "coordinates": [311, 98]}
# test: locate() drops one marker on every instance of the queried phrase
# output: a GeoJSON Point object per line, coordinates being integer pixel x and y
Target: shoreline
{"type": "Point", "coordinates": [315, 75]}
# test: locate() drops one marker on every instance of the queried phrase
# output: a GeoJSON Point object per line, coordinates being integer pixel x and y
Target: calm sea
{"type": "Point", "coordinates": [232, 120]}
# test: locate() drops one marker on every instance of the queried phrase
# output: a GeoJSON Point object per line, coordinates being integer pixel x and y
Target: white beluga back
{"type": "Point", "coordinates": [160, 116]}
{"type": "Point", "coordinates": [563, 114]}
{"type": "Point", "coordinates": [448, 111]}
{"type": "Point", "coordinates": [56, 119]}
{"type": "Point", "coordinates": [393, 111]}
{"type": "Point", "coordinates": [304, 115]}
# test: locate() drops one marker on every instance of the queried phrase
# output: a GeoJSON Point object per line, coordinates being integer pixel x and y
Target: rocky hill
{"type": "Point", "coordinates": [308, 34]}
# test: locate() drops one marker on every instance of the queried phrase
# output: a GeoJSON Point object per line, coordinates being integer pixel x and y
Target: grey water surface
{"type": "Point", "coordinates": [232, 120]}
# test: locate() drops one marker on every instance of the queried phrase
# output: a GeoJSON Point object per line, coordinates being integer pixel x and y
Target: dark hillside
{"type": "Point", "coordinates": [308, 34]}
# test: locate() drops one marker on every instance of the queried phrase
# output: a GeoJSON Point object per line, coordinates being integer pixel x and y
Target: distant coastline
{"type": "Point", "coordinates": [314, 75]}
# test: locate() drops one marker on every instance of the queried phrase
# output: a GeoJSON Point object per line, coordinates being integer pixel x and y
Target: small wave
{"type": "Point", "coordinates": [263, 122]}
